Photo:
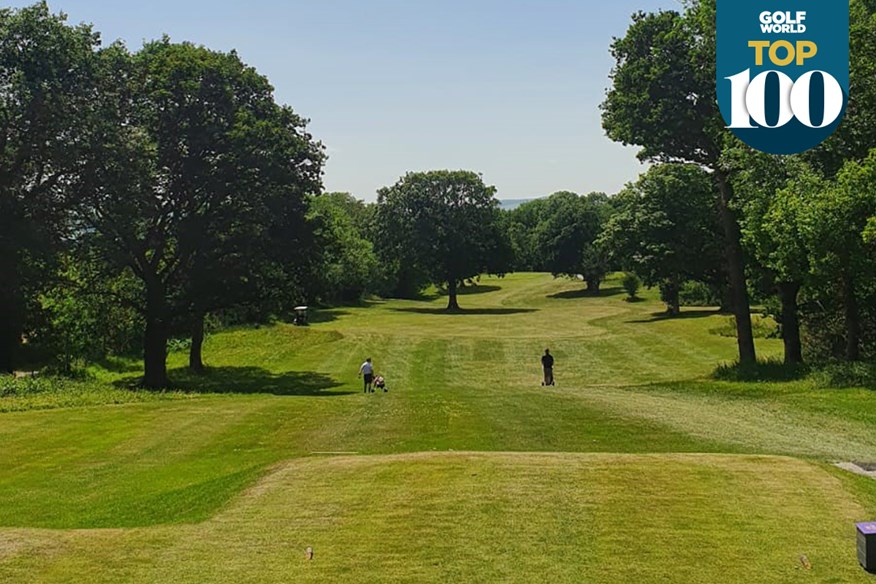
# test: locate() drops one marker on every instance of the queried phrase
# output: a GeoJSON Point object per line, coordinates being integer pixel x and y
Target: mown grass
{"type": "Point", "coordinates": [651, 448]}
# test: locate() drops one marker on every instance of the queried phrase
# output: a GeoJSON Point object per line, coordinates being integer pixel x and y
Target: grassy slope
{"type": "Point", "coordinates": [629, 382]}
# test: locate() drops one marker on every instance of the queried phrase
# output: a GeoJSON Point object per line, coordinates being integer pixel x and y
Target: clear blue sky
{"type": "Point", "coordinates": [508, 88]}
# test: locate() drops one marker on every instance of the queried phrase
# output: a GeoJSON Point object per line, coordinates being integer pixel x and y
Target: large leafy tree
{"type": "Point", "coordinates": [346, 265]}
{"type": "Point", "coordinates": [666, 229]}
{"type": "Point", "coordinates": [194, 170]}
{"type": "Point", "coordinates": [520, 223]}
{"type": "Point", "coordinates": [256, 249]}
{"type": "Point", "coordinates": [566, 237]}
{"type": "Point", "coordinates": [447, 224]}
{"type": "Point", "coordinates": [663, 100]}
{"type": "Point", "coordinates": [773, 193]}
{"type": "Point", "coordinates": [855, 137]}
{"type": "Point", "coordinates": [46, 82]}
{"type": "Point", "coordinates": [835, 226]}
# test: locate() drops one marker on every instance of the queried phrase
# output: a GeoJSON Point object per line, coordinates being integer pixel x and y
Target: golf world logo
{"type": "Point", "coordinates": [782, 71]}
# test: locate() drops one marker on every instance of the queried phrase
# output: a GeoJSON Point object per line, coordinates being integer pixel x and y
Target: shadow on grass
{"type": "Point", "coordinates": [469, 311]}
{"type": "Point", "coordinates": [249, 380]}
{"type": "Point", "coordinates": [325, 315]}
{"type": "Point", "coordinates": [120, 364]}
{"type": "Point", "coordinates": [769, 370]}
{"type": "Point", "coordinates": [584, 293]}
{"type": "Point", "coordinates": [685, 314]}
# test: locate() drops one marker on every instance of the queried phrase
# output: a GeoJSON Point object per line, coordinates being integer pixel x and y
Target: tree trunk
{"type": "Point", "coordinates": [853, 323]}
{"type": "Point", "coordinates": [155, 339]}
{"type": "Point", "coordinates": [788, 292]}
{"type": "Point", "coordinates": [593, 285]}
{"type": "Point", "coordinates": [10, 312]}
{"type": "Point", "coordinates": [736, 272]}
{"type": "Point", "coordinates": [673, 304]}
{"type": "Point", "coordinates": [452, 302]}
{"type": "Point", "coordinates": [8, 338]}
{"type": "Point", "coordinates": [196, 359]}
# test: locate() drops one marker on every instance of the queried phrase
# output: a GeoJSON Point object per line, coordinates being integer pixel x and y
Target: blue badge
{"type": "Point", "coordinates": [782, 71]}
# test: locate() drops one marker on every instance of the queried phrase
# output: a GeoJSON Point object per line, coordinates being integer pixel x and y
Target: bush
{"type": "Point", "coordinates": [48, 392]}
{"type": "Point", "coordinates": [768, 370]}
{"type": "Point", "coordinates": [83, 321]}
{"type": "Point", "coordinates": [842, 375]}
{"type": "Point", "coordinates": [763, 327]}
{"type": "Point", "coordinates": [632, 284]}
{"type": "Point", "coordinates": [695, 293]}
{"type": "Point", "coordinates": [823, 324]}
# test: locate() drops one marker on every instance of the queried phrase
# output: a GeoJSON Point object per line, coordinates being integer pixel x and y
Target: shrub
{"type": "Point", "coordinates": [694, 293]}
{"type": "Point", "coordinates": [842, 375]}
{"type": "Point", "coordinates": [763, 327]}
{"type": "Point", "coordinates": [632, 284]}
{"type": "Point", "coordinates": [768, 370]}
{"type": "Point", "coordinates": [48, 392]}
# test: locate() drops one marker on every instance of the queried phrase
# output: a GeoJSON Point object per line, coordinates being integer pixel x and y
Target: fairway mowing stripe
{"type": "Point", "coordinates": [339, 452]}
{"type": "Point", "coordinates": [766, 426]}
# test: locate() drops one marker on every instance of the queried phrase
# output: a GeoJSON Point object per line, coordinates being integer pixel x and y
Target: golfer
{"type": "Point", "coordinates": [367, 370]}
{"type": "Point", "coordinates": [547, 363]}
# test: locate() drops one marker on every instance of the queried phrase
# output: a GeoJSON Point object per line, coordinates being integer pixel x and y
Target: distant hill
{"type": "Point", "coordinates": [512, 203]}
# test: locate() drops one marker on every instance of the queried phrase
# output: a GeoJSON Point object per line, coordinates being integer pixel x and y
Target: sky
{"type": "Point", "coordinates": [507, 88]}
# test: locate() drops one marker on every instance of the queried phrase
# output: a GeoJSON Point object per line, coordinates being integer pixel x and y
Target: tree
{"type": "Point", "coordinates": [520, 224]}
{"type": "Point", "coordinates": [834, 226]}
{"type": "Point", "coordinates": [771, 191]}
{"type": "Point", "coordinates": [256, 249]}
{"type": "Point", "coordinates": [445, 223]}
{"type": "Point", "coordinates": [854, 138]}
{"type": "Point", "coordinates": [82, 320]}
{"type": "Point", "coordinates": [666, 229]}
{"type": "Point", "coordinates": [46, 69]}
{"type": "Point", "coordinates": [193, 168]}
{"type": "Point", "coordinates": [566, 237]}
{"type": "Point", "coordinates": [663, 100]}
{"type": "Point", "coordinates": [347, 266]}
{"type": "Point", "coordinates": [870, 231]}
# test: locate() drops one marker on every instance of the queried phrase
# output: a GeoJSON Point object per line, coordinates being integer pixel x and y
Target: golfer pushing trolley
{"type": "Point", "coordinates": [547, 363]}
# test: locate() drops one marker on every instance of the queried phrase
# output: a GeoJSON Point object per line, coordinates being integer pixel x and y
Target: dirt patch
{"type": "Point", "coordinates": [10, 545]}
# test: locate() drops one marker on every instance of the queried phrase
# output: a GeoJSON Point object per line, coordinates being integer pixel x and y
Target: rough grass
{"type": "Point", "coordinates": [42, 393]}
{"type": "Point", "coordinates": [659, 473]}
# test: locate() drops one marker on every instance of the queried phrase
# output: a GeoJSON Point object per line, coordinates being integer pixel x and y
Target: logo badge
{"type": "Point", "coordinates": [782, 71]}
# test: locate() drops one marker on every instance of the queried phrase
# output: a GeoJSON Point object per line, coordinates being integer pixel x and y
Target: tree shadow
{"type": "Point", "coordinates": [467, 311]}
{"type": "Point", "coordinates": [584, 293]}
{"type": "Point", "coordinates": [766, 370]}
{"type": "Point", "coordinates": [325, 315]}
{"type": "Point", "coordinates": [116, 364]}
{"type": "Point", "coordinates": [685, 314]}
{"type": "Point", "coordinates": [249, 380]}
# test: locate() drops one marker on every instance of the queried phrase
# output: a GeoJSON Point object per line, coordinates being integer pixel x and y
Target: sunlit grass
{"type": "Point", "coordinates": [654, 477]}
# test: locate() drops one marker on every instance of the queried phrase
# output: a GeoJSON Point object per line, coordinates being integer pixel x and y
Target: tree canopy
{"type": "Point", "coordinates": [447, 224]}
{"type": "Point", "coordinates": [666, 229]}
{"type": "Point", "coordinates": [663, 100]}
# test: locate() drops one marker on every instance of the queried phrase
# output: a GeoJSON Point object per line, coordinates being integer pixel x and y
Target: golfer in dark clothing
{"type": "Point", "coordinates": [547, 362]}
